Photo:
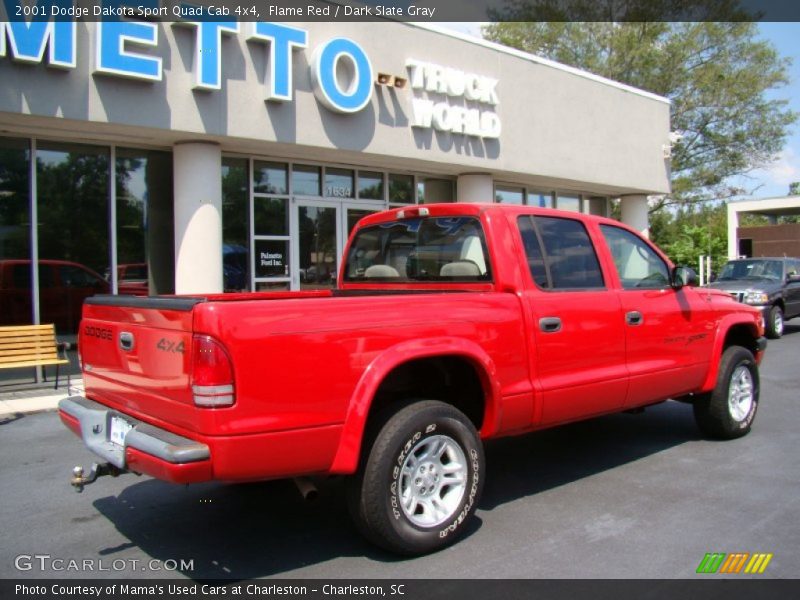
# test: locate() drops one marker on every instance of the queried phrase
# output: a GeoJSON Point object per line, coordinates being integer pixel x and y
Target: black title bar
{"type": "Point", "coordinates": [431, 11]}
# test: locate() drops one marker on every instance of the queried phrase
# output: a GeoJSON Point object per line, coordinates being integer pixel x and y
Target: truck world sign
{"type": "Point", "coordinates": [121, 50]}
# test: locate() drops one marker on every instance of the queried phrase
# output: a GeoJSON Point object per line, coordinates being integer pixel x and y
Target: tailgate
{"type": "Point", "coordinates": [136, 355]}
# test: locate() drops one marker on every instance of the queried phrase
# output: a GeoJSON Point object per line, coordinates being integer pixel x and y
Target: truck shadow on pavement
{"type": "Point", "coordinates": [256, 530]}
{"type": "Point", "coordinates": [531, 464]}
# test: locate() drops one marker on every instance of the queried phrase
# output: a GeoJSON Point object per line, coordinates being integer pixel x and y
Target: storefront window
{"type": "Point", "coordinates": [271, 216]}
{"type": "Point", "coordinates": [370, 185]}
{"type": "Point", "coordinates": [339, 183]}
{"type": "Point", "coordinates": [571, 203]}
{"type": "Point", "coordinates": [145, 223]}
{"type": "Point", "coordinates": [305, 180]}
{"type": "Point", "coordinates": [235, 220]}
{"type": "Point", "coordinates": [269, 178]}
{"type": "Point", "coordinates": [401, 189]}
{"type": "Point", "coordinates": [15, 228]}
{"type": "Point", "coordinates": [73, 212]}
{"type": "Point", "coordinates": [508, 195]}
{"type": "Point", "coordinates": [540, 199]}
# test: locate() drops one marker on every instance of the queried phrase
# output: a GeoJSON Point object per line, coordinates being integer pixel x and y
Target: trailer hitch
{"type": "Point", "coordinates": [78, 480]}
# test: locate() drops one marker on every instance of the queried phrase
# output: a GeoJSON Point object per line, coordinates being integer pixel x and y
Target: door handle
{"type": "Point", "coordinates": [634, 317]}
{"type": "Point", "coordinates": [550, 324]}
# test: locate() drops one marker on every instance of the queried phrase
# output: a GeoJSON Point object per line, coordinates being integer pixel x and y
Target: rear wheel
{"type": "Point", "coordinates": [420, 481]}
{"type": "Point", "coordinates": [774, 322]}
{"type": "Point", "coordinates": [728, 411]}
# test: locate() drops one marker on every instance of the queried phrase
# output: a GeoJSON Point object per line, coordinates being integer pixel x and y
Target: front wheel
{"type": "Point", "coordinates": [728, 411]}
{"type": "Point", "coordinates": [420, 481]}
{"type": "Point", "coordinates": [774, 323]}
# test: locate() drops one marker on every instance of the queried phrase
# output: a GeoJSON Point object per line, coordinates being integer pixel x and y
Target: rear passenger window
{"type": "Point", "coordinates": [560, 254]}
{"type": "Point", "coordinates": [533, 251]}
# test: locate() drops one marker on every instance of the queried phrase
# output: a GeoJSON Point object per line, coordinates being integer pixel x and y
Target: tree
{"type": "Point", "coordinates": [794, 188]}
{"type": "Point", "coordinates": [715, 73]}
{"type": "Point", "coordinates": [697, 231]}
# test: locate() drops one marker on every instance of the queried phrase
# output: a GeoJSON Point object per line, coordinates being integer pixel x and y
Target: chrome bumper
{"type": "Point", "coordinates": [95, 422]}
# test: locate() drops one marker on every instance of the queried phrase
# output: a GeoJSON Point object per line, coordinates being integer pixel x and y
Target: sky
{"type": "Point", "coordinates": [773, 180]}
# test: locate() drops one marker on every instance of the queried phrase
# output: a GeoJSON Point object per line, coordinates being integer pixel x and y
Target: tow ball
{"type": "Point", "coordinates": [78, 480]}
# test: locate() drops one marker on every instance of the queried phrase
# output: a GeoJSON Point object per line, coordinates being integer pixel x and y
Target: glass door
{"type": "Point", "coordinates": [317, 245]}
{"type": "Point", "coordinates": [352, 214]}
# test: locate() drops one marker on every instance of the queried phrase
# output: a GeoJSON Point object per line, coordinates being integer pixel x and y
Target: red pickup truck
{"type": "Point", "coordinates": [450, 325]}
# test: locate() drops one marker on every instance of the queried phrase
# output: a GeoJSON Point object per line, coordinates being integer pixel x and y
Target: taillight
{"type": "Point", "coordinates": [212, 373]}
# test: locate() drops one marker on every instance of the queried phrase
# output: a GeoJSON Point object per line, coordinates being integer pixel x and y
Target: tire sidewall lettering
{"type": "Point", "coordinates": [473, 491]}
{"type": "Point", "coordinates": [394, 500]}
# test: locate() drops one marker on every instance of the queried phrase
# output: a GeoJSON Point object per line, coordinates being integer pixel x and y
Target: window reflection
{"type": "Point", "coordinates": [15, 224]}
{"type": "Point", "coordinates": [571, 203]}
{"type": "Point", "coordinates": [235, 224]}
{"type": "Point", "coordinates": [305, 180]}
{"type": "Point", "coordinates": [540, 199]}
{"type": "Point", "coordinates": [508, 195]}
{"type": "Point", "coordinates": [370, 185]}
{"type": "Point", "coordinates": [401, 188]}
{"type": "Point", "coordinates": [145, 222]}
{"type": "Point", "coordinates": [73, 211]}
{"type": "Point", "coordinates": [268, 177]}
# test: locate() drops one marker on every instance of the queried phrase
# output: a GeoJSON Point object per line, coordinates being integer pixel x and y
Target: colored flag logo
{"type": "Point", "coordinates": [737, 562]}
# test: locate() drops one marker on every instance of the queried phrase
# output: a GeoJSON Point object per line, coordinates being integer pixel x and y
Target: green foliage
{"type": "Point", "coordinates": [794, 188]}
{"type": "Point", "coordinates": [715, 73]}
{"type": "Point", "coordinates": [687, 233]}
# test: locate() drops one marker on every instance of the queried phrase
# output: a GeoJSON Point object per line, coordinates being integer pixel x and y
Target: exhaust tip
{"type": "Point", "coordinates": [308, 490]}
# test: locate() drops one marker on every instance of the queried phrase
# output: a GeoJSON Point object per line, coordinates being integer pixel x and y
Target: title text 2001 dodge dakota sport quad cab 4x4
{"type": "Point", "coordinates": [450, 324]}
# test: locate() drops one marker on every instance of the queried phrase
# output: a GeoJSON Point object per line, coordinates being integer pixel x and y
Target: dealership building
{"type": "Point", "coordinates": [196, 157]}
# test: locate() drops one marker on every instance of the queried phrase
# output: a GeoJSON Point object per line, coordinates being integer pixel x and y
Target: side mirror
{"type": "Point", "coordinates": [793, 278]}
{"type": "Point", "coordinates": [684, 276]}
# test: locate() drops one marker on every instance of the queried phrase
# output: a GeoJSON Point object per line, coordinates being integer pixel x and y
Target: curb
{"type": "Point", "coordinates": [35, 401]}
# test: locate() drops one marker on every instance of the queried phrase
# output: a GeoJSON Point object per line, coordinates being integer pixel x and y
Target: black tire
{"type": "Point", "coordinates": [375, 492]}
{"type": "Point", "coordinates": [774, 323]}
{"type": "Point", "coordinates": [716, 414]}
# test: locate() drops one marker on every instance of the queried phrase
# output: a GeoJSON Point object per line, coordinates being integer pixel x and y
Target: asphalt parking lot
{"type": "Point", "coordinates": [625, 496]}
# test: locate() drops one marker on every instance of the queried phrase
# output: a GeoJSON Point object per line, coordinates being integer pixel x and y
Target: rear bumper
{"type": "Point", "coordinates": [146, 449]}
{"type": "Point", "coordinates": [155, 451]}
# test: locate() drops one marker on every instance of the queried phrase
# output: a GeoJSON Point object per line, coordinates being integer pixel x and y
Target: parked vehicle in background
{"type": "Point", "coordinates": [63, 286]}
{"type": "Point", "coordinates": [132, 279]}
{"type": "Point", "coordinates": [770, 284]}
{"type": "Point", "coordinates": [450, 324]}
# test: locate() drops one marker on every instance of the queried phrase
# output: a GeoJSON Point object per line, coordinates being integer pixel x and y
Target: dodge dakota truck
{"type": "Point", "coordinates": [449, 325]}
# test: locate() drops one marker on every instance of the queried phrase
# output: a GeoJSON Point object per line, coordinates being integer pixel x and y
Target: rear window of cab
{"type": "Point", "coordinates": [423, 249]}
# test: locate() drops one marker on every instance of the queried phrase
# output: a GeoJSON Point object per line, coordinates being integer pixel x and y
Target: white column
{"type": "Point", "coordinates": [198, 218]}
{"type": "Point", "coordinates": [733, 225]}
{"type": "Point", "coordinates": [635, 213]}
{"type": "Point", "coordinates": [475, 187]}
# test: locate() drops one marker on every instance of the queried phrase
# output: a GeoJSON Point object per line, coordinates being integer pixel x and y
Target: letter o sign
{"type": "Point", "coordinates": [341, 76]}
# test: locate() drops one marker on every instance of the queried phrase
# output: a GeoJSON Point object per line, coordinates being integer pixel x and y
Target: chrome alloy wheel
{"type": "Point", "coordinates": [777, 322]}
{"type": "Point", "coordinates": [740, 393]}
{"type": "Point", "coordinates": [433, 481]}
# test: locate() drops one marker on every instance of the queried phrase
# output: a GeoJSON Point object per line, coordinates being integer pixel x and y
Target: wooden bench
{"type": "Point", "coordinates": [32, 346]}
